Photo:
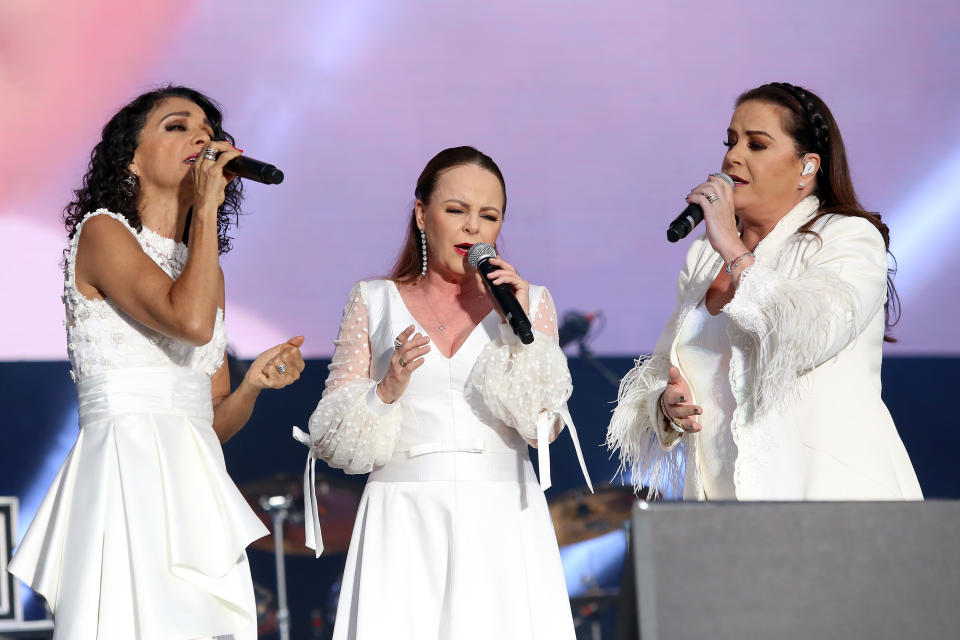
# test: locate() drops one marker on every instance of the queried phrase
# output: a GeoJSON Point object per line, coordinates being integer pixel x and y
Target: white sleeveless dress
{"type": "Point", "coordinates": [142, 533]}
{"type": "Point", "coordinates": [453, 538]}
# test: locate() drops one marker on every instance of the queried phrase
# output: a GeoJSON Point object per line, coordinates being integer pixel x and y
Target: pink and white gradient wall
{"type": "Point", "coordinates": [602, 115]}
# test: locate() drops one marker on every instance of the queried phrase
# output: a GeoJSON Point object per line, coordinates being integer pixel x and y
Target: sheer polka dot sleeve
{"type": "Point", "coordinates": [519, 382]}
{"type": "Point", "coordinates": [351, 349]}
{"type": "Point", "coordinates": [351, 429]}
{"type": "Point", "coordinates": [544, 317]}
{"type": "Point", "coordinates": [527, 386]}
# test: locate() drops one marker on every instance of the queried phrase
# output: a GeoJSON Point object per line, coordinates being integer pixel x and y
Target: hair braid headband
{"type": "Point", "coordinates": [818, 124]}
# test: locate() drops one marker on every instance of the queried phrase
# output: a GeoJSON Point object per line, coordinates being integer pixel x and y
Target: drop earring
{"type": "Point", "coordinates": [130, 184]}
{"type": "Point", "coordinates": [423, 252]}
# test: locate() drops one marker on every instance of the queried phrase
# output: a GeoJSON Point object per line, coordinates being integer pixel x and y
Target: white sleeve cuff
{"type": "Point", "coordinates": [507, 336]}
{"type": "Point", "coordinates": [375, 404]}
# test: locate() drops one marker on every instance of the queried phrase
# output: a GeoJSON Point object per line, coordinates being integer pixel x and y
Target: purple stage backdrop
{"type": "Point", "coordinates": [602, 116]}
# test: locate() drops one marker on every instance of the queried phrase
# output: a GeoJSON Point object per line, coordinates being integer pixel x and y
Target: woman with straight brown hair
{"type": "Point", "coordinates": [430, 392]}
{"type": "Point", "coordinates": [767, 375]}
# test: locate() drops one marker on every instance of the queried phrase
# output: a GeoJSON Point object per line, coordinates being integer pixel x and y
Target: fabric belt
{"type": "Point", "coordinates": [154, 390]}
{"type": "Point", "coordinates": [459, 460]}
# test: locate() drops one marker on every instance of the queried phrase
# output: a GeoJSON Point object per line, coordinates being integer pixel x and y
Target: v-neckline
{"type": "Point", "coordinates": [417, 323]}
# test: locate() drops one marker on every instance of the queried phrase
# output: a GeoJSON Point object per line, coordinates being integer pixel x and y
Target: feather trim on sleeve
{"type": "Point", "coordinates": [647, 448]}
{"type": "Point", "coordinates": [787, 326]}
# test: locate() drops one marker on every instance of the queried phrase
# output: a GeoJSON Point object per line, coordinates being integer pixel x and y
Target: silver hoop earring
{"type": "Point", "coordinates": [423, 252]}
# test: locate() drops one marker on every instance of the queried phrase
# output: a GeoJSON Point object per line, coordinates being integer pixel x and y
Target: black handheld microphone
{"type": "Point", "coordinates": [256, 170]}
{"type": "Point", "coordinates": [479, 258]}
{"type": "Point", "coordinates": [684, 223]}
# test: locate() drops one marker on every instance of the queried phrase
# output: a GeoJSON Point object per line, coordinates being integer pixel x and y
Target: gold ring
{"type": "Point", "coordinates": [403, 363]}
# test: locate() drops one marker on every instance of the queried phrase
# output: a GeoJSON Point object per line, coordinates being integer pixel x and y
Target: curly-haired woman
{"type": "Point", "coordinates": [142, 534]}
{"type": "Point", "coordinates": [768, 373]}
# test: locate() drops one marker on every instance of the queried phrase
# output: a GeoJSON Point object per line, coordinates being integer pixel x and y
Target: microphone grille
{"type": "Point", "coordinates": [480, 251]}
{"type": "Point", "coordinates": [723, 177]}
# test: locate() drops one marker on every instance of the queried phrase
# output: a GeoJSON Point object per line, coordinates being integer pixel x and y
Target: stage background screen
{"type": "Point", "coordinates": [602, 116]}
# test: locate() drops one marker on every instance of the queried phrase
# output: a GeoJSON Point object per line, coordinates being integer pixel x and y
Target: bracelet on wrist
{"type": "Point", "coordinates": [676, 425]}
{"type": "Point", "coordinates": [733, 263]}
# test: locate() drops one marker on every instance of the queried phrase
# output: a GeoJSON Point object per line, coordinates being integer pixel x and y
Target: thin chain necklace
{"type": "Point", "coordinates": [442, 323]}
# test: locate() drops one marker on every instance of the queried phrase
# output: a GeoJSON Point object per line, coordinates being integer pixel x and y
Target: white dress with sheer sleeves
{"type": "Point", "coordinates": [142, 534]}
{"type": "Point", "coordinates": [453, 538]}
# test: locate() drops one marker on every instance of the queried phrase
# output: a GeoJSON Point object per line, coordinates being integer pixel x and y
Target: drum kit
{"type": "Point", "coordinates": [577, 515]}
{"type": "Point", "coordinates": [278, 501]}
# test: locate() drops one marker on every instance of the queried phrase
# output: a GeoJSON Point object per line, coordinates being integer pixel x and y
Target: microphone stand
{"type": "Point", "coordinates": [590, 359]}
{"type": "Point", "coordinates": [279, 508]}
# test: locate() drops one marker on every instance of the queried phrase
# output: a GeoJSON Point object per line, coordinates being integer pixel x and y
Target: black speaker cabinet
{"type": "Point", "coordinates": [791, 571]}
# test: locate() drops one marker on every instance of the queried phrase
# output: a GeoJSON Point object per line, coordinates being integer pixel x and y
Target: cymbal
{"type": "Point", "coordinates": [337, 502]}
{"type": "Point", "coordinates": [579, 515]}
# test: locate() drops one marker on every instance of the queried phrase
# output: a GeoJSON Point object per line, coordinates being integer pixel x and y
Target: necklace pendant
{"type": "Point", "coordinates": [442, 328]}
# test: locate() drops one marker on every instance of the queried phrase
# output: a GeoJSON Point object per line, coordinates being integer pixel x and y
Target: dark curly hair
{"type": "Point", "coordinates": [110, 185]}
{"type": "Point", "coordinates": [808, 120]}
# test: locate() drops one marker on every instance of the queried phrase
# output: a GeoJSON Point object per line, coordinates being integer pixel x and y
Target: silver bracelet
{"type": "Point", "coordinates": [675, 424]}
{"type": "Point", "coordinates": [733, 263]}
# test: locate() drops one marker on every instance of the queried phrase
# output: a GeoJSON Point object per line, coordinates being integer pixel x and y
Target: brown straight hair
{"type": "Point", "coordinates": [408, 264]}
{"type": "Point", "coordinates": [808, 120]}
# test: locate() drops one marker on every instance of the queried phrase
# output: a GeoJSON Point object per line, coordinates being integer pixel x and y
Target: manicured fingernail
{"type": "Point", "coordinates": [238, 149]}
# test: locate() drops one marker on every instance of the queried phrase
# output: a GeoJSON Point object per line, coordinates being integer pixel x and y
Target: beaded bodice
{"type": "Point", "coordinates": [101, 337]}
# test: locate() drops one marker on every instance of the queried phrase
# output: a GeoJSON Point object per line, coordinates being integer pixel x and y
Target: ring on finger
{"type": "Point", "coordinates": [712, 197]}
{"type": "Point", "coordinates": [403, 363]}
{"type": "Point", "coordinates": [397, 344]}
{"type": "Point", "coordinates": [210, 153]}
{"type": "Point", "coordinates": [282, 368]}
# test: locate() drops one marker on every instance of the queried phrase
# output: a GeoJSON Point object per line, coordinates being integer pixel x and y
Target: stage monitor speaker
{"type": "Point", "coordinates": [771, 571]}
{"type": "Point", "coordinates": [12, 625]}
{"type": "Point", "coordinates": [9, 594]}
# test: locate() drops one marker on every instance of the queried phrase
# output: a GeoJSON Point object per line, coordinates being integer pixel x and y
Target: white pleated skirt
{"type": "Point", "coordinates": [142, 534]}
{"type": "Point", "coordinates": [454, 545]}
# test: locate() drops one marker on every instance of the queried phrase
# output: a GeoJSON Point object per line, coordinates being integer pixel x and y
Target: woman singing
{"type": "Point", "coordinates": [430, 391]}
{"type": "Point", "coordinates": [142, 534]}
{"type": "Point", "coordinates": [768, 372]}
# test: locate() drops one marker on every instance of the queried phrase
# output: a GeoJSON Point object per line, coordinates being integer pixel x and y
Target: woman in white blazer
{"type": "Point", "coordinates": [765, 384]}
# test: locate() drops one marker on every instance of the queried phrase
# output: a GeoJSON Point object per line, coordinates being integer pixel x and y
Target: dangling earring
{"type": "Point", "coordinates": [423, 252]}
{"type": "Point", "coordinates": [131, 184]}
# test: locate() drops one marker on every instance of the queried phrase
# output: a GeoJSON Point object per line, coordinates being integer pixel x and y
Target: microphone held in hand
{"type": "Point", "coordinates": [683, 224]}
{"type": "Point", "coordinates": [255, 170]}
{"type": "Point", "coordinates": [479, 258]}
